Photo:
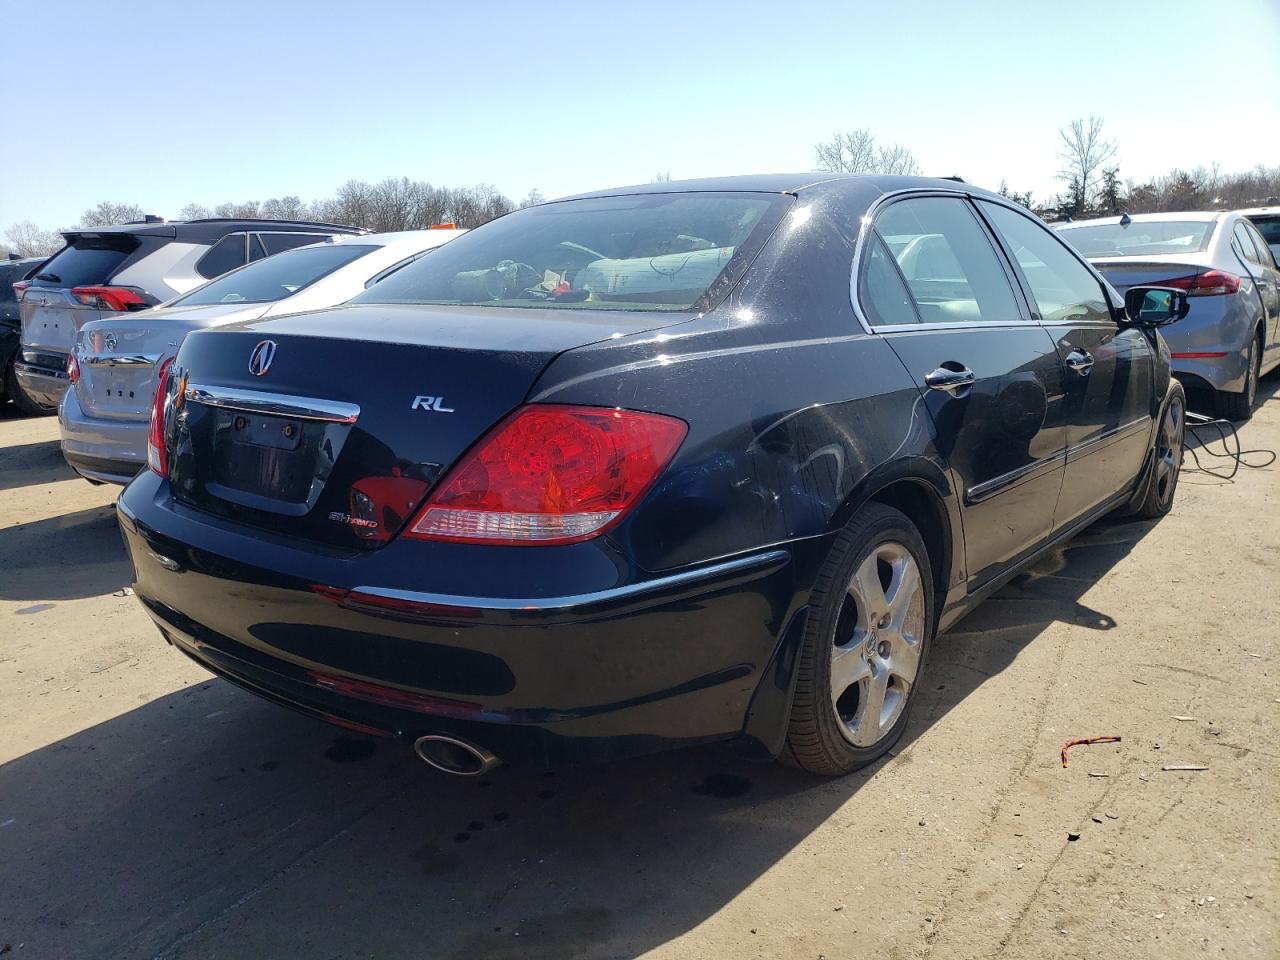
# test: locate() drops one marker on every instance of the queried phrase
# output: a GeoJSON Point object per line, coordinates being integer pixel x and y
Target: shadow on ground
{"type": "Point", "coordinates": [210, 823]}
{"type": "Point", "coordinates": [29, 464]}
{"type": "Point", "coordinates": [64, 557]}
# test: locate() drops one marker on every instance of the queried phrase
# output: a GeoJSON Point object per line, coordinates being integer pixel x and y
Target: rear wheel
{"type": "Point", "coordinates": [1166, 456]}
{"type": "Point", "coordinates": [869, 627]}
{"type": "Point", "coordinates": [13, 389]}
{"type": "Point", "coordinates": [1239, 406]}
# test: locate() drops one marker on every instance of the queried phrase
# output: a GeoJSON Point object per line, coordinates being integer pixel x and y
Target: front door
{"type": "Point", "coordinates": [934, 285]}
{"type": "Point", "coordinates": [1108, 371]}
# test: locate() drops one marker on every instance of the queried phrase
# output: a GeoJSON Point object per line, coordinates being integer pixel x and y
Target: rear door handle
{"type": "Point", "coordinates": [950, 379]}
{"type": "Point", "coordinates": [1080, 361]}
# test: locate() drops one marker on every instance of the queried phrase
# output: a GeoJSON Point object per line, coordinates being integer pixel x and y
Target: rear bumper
{"type": "Point", "coordinates": [45, 385]}
{"type": "Point", "coordinates": [632, 663]}
{"type": "Point", "coordinates": [112, 451]}
{"type": "Point", "coordinates": [1215, 325]}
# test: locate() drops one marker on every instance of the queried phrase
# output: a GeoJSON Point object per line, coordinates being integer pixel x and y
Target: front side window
{"type": "Point", "coordinates": [1064, 288]}
{"type": "Point", "coordinates": [275, 278]}
{"type": "Point", "coordinates": [663, 251]}
{"type": "Point", "coordinates": [950, 267]}
{"type": "Point", "coordinates": [227, 254]}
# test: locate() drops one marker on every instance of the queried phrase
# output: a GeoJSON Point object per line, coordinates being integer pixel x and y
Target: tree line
{"type": "Point", "coordinates": [392, 204]}
{"type": "Point", "coordinates": [1089, 172]}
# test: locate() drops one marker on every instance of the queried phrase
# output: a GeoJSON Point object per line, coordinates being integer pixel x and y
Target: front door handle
{"type": "Point", "coordinates": [1080, 361]}
{"type": "Point", "coordinates": [950, 378]}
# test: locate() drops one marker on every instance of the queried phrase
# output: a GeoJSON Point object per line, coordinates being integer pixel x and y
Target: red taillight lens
{"type": "Point", "coordinates": [73, 367]}
{"type": "Point", "coordinates": [157, 454]}
{"type": "Point", "coordinates": [1211, 283]}
{"type": "Point", "coordinates": [550, 474]}
{"type": "Point", "coordinates": [109, 298]}
{"type": "Point", "coordinates": [19, 287]}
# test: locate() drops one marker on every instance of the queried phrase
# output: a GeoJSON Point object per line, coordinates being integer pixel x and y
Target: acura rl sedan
{"type": "Point", "coordinates": [670, 464]}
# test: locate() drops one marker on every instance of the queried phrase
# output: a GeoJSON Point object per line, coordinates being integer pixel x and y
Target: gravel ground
{"type": "Point", "coordinates": [148, 810]}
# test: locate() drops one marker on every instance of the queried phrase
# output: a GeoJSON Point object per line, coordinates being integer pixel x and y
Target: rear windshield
{"type": "Point", "coordinates": [651, 252]}
{"type": "Point", "coordinates": [1269, 227]}
{"type": "Point", "coordinates": [86, 261]}
{"type": "Point", "coordinates": [1140, 238]}
{"type": "Point", "coordinates": [275, 278]}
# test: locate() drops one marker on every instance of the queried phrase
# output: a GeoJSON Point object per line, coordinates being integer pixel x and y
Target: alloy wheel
{"type": "Point", "coordinates": [875, 653]}
{"type": "Point", "coordinates": [1169, 448]}
{"type": "Point", "coordinates": [1251, 377]}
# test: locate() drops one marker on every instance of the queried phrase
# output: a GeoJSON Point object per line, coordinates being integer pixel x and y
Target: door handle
{"type": "Point", "coordinates": [950, 379]}
{"type": "Point", "coordinates": [1080, 361]}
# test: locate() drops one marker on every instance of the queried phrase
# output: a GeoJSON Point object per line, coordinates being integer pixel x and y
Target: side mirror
{"type": "Point", "coordinates": [1155, 306]}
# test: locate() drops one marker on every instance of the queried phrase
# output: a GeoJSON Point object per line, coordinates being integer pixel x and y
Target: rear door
{"type": "Point", "coordinates": [1108, 370]}
{"type": "Point", "coordinates": [933, 283]}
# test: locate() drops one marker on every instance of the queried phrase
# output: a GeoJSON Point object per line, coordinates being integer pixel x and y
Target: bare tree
{"type": "Point", "coordinates": [107, 213]}
{"type": "Point", "coordinates": [857, 151]}
{"type": "Point", "coordinates": [1084, 152]}
{"type": "Point", "coordinates": [195, 211]}
{"type": "Point", "coordinates": [535, 197]}
{"type": "Point", "coordinates": [27, 240]}
{"type": "Point", "coordinates": [662, 176]}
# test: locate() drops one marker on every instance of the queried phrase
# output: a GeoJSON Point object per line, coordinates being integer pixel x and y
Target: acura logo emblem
{"type": "Point", "coordinates": [260, 359]}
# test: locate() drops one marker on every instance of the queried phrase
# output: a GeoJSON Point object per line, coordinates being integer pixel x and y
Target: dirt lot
{"type": "Point", "coordinates": [147, 810]}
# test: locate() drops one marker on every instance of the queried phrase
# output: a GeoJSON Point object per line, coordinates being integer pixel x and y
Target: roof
{"type": "Point", "coordinates": [1273, 211]}
{"type": "Point", "coordinates": [783, 183]}
{"type": "Point", "coordinates": [213, 228]}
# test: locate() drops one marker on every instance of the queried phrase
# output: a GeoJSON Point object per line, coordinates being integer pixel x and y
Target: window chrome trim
{"type": "Point", "coordinates": [275, 404]}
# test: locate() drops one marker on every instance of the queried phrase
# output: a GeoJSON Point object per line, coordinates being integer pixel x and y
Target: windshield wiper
{"type": "Point", "coordinates": [50, 277]}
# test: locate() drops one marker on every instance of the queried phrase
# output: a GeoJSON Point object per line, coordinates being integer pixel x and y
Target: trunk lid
{"type": "Point", "coordinates": [1125, 272]}
{"type": "Point", "coordinates": [361, 409]}
{"type": "Point", "coordinates": [119, 358]}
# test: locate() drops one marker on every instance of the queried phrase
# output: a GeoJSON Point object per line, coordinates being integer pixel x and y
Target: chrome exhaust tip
{"type": "Point", "coordinates": [454, 756]}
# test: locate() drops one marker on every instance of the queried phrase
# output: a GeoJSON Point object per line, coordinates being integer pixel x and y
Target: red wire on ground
{"type": "Point", "coordinates": [1075, 743]}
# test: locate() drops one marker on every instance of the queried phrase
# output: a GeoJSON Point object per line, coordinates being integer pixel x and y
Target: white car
{"type": "Point", "coordinates": [112, 369]}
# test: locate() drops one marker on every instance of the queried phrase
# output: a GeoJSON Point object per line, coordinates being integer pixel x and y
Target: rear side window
{"type": "Point", "coordinates": [1063, 288]}
{"type": "Point", "coordinates": [1244, 243]}
{"type": "Point", "coordinates": [86, 261]}
{"type": "Point", "coordinates": [276, 277]}
{"type": "Point", "coordinates": [276, 242]}
{"type": "Point", "coordinates": [663, 251]}
{"type": "Point", "coordinates": [1269, 227]}
{"type": "Point", "coordinates": [884, 297]}
{"type": "Point", "coordinates": [227, 254]}
{"type": "Point", "coordinates": [950, 267]}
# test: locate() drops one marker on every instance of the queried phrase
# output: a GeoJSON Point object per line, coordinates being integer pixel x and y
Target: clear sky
{"type": "Point", "coordinates": [165, 103]}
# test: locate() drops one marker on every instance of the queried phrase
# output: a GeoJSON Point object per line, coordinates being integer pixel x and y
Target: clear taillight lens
{"type": "Point", "coordinates": [550, 474]}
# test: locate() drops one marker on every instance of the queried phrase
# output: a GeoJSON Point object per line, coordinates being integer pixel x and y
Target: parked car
{"type": "Point", "coordinates": [1232, 335]}
{"type": "Point", "coordinates": [1267, 220]}
{"type": "Point", "coordinates": [112, 270]}
{"type": "Point", "coordinates": [665, 465]}
{"type": "Point", "coordinates": [104, 416]}
{"type": "Point", "coordinates": [12, 271]}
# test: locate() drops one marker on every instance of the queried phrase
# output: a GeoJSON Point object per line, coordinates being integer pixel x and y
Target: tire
{"type": "Point", "coordinates": [27, 404]}
{"type": "Point", "coordinates": [833, 735]}
{"type": "Point", "coordinates": [1166, 456]}
{"type": "Point", "coordinates": [1239, 406]}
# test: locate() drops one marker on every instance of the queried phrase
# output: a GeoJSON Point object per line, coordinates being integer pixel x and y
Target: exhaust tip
{"type": "Point", "coordinates": [454, 756]}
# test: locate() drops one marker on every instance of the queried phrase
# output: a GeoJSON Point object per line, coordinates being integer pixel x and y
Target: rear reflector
{"type": "Point", "coordinates": [157, 455]}
{"type": "Point", "coordinates": [109, 298]}
{"type": "Point", "coordinates": [1198, 356]}
{"type": "Point", "coordinates": [394, 696]}
{"type": "Point", "coordinates": [550, 474]}
{"type": "Point", "coordinates": [1211, 283]}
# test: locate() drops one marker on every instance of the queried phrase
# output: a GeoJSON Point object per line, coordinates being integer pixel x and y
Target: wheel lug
{"type": "Point", "coordinates": [884, 621]}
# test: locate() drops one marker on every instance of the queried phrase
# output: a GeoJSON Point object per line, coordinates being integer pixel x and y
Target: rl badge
{"type": "Point", "coordinates": [430, 404]}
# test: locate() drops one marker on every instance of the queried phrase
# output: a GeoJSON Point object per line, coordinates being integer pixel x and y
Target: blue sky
{"type": "Point", "coordinates": [167, 103]}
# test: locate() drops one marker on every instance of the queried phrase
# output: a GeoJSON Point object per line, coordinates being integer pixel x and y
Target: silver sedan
{"type": "Point", "coordinates": [1231, 337]}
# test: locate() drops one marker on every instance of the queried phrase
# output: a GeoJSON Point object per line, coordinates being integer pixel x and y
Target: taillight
{"type": "Point", "coordinates": [157, 454]}
{"type": "Point", "coordinates": [73, 367]}
{"type": "Point", "coordinates": [1211, 283]}
{"type": "Point", "coordinates": [109, 298]}
{"type": "Point", "coordinates": [550, 474]}
{"type": "Point", "coordinates": [20, 287]}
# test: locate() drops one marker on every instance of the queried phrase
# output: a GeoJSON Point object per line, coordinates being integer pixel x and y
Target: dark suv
{"type": "Point", "coordinates": [11, 272]}
{"type": "Point", "coordinates": [107, 270]}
